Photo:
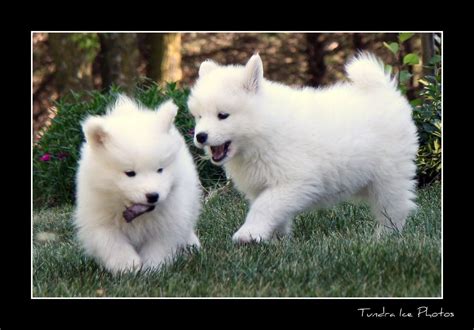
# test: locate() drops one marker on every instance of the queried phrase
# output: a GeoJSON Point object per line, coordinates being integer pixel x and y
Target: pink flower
{"type": "Point", "coordinates": [45, 158]}
{"type": "Point", "coordinates": [191, 132]}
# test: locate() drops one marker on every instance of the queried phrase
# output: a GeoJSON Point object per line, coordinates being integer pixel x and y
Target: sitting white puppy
{"type": "Point", "coordinates": [138, 192]}
{"type": "Point", "coordinates": [291, 149]}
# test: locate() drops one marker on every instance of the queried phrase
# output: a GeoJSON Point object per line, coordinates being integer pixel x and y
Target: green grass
{"type": "Point", "coordinates": [332, 253]}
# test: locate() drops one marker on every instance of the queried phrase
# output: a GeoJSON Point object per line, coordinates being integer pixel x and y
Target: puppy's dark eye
{"type": "Point", "coordinates": [130, 173]}
{"type": "Point", "coordinates": [160, 170]}
{"type": "Point", "coordinates": [222, 115]}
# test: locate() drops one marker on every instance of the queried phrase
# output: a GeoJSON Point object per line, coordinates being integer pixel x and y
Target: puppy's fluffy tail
{"type": "Point", "coordinates": [367, 71]}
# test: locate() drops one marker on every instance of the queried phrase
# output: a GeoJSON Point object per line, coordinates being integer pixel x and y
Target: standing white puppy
{"type": "Point", "coordinates": [291, 149]}
{"type": "Point", "coordinates": [138, 192]}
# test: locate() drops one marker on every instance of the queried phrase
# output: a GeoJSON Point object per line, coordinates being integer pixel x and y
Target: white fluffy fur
{"type": "Point", "coordinates": [130, 137]}
{"type": "Point", "coordinates": [293, 149]}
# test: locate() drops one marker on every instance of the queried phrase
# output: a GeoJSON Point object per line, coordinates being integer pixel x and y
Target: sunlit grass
{"type": "Point", "coordinates": [332, 253]}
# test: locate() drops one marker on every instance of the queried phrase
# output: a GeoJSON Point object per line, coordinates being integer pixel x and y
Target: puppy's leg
{"type": "Point", "coordinates": [284, 229]}
{"type": "Point", "coordinates": [273, 210]}
{"type": "Point", "coordinates": [391, 203]}
{"type": "Point", "coordinates": [194, 241]}
{"type": "Point", "coordinates": [155, 253]}
{"type": "Point", "coordinates": [111, 247]}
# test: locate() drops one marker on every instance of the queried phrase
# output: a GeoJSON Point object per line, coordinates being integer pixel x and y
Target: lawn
{"type": "Point", "coordinates": [332, 253]}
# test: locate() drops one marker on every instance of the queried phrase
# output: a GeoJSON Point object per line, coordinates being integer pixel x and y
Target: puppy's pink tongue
{"type": "Point", "coordinates": [218, 152]}
{"type": "Point", "coordinates": [136, 210]}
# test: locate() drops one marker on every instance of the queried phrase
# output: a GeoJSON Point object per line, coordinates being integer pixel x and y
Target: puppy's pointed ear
{"type": "Point", "coordinates": [166, 114]}
{"type": "Point", "coordinates": [206, 67]}
{"type": "Point", "coordinates": [123, 105]}
{"type": "Point", "coordinates": [93, 128]}
{"type": "Point", "coordinates": [253, 74]}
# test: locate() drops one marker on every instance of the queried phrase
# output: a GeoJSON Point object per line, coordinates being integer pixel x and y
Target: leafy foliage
{"type": "Point", "coordinates": [426, 108]}
{"type": "Point", "coordinates": [427, 115]}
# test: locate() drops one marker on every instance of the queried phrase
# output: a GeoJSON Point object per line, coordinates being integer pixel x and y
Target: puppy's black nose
{"type": "Point", "coordinates": [152, 197]}
{"type": "Point", "coordinates": [201, 137]}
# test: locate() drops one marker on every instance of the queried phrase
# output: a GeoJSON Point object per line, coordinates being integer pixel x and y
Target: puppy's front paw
{"type": "Point", "coordinates": [193, 242]}
{"type": "Point", "coordinates": [250, 235]}
{"type": "Point", "coordinates": [124, 262]}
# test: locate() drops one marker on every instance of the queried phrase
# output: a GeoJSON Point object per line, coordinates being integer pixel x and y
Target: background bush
{"type": "Point", "coordinates": [426, 105]}
{"type": "Point", "coordinates": [56, 154]}
{"type": "Point", "coordinates": [427, 115]}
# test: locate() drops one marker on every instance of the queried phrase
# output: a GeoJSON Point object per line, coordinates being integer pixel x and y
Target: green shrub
{"type": "Point", "coordinates": [56, 155]}
{"type": "Point", "coordinates": [426, 108]}
{"type": "Point", "coordinates": [427, 115]}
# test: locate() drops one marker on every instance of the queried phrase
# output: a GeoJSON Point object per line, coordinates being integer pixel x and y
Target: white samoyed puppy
{"type": "Point", "coordinates": [289, 149]}
{"type": "Point", "coordinates": [138, 191]}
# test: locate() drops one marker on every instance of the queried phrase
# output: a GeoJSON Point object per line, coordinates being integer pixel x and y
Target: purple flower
{"type": "Point", "coordinates": [45, 158]}
{"type": "Point", "coordinates": [61, 155]}
{"type": "Point", "coordinates": [191, 132]}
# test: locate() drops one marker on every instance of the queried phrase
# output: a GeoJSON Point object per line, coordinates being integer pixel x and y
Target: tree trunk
{"type": "Point", "coordinates": [119, 59]}
{"type": "Point", "coordinates": [317, 67]}
{"type": "Point", "coordinates": [164, 62]}
{"type": "Point", "coordinates": [358, 42]}
{"type": "Point", "coordinates": [427, 46]}
{"type": "Point", "coordinates": [410, 86]}
{"type": "Point", "coordinates": [73, 63]}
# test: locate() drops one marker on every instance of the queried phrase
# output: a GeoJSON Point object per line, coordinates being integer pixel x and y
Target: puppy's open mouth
{"type": "Point", "coordinates": [220, 152]}
{"type": "Point", "coordinates": [136, 210]}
